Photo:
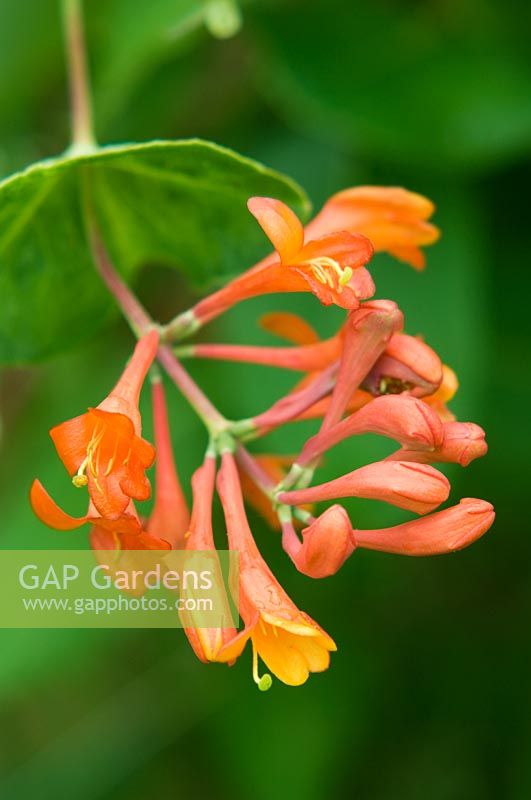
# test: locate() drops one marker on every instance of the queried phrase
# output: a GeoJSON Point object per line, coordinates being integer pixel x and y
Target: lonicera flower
{"type": "Point", "coordinates": [405, 419]}
{"type": "Point", "coordinates": [206, 642]}
{"type": "Point", "coordinates": [287, 640]}
{"type": "Point", "coordinates": [394, 219]}
{"type": "Point", "coordinates": [442, 532]}
{"type": "Point", "coordinates": [310, 354]}
{"type": "Point", "coordinates": [168, 521]}
{"type": "Point", "coordinates": [407, 365]}
{"type": "Point", "coordinates": [331, 267]}
{"type": "Point", "coordinates": [391, 218]}
{"type": "Point", "coordinates": [330, 539]}
{"type": "Point", "coordinates": [170, 516]}
{"type": "Point", "coordinates": [415, 487]}
{"type": "Point", "coordinates": [103, 449]}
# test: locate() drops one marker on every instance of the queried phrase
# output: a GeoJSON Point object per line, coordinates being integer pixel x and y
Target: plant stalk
{"type": "Point", "coordinates": [82, 132]}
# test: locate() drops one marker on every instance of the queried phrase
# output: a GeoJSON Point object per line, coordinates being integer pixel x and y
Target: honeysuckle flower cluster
{"type": "Point", "coordinates": [370, 377]}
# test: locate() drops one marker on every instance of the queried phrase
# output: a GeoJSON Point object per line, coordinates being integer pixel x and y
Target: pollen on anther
{"type": "Point", "coordinates": [79, 481]}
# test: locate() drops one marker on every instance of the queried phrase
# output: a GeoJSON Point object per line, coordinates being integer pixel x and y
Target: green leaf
{"type": "Point", "coordinates": [181, 204]}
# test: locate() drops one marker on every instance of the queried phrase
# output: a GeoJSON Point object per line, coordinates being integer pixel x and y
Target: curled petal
{"type": "Point", "coordinates": [415, 487]}
{"type": "Point", "coordinates": [326, 545]}
{"type": "Point", "coordinates": [122, 539]}
{"type": "Point", "coordinates": [347, 249]}
{"type": "Point", "coordinates": [282, 227]}
{"type": "Point", "coordinates": [233, 647]}
{"type": "Point", "coordinates": [49, 512]}
{"type": "Point", "coordinates": [441, 532]}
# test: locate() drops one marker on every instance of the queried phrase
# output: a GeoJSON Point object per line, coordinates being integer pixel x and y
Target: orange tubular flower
{"type": "Point", "coordinates": [103, 448]}
{"type": "Point", "coordinates": [442, 532]}
{"type": "Point", "coordinates": [170, 517]}
{"type": "Point", "coordinates": [330, 539]}
{"type": "Point", "coordinates": [331, 267]}
{"type": "Point", "coordinates": [394, 219]}
{"type": "Point", "coordinates": [206, 642]}
{"type": "Point", "coordinates": [289, 642]}
{"type": "Point", "coordinates": [405, 419]}
{"type": "Point", "coordinates": [310, 354]}
{"type": "Point", "coordinates": [415, 487]}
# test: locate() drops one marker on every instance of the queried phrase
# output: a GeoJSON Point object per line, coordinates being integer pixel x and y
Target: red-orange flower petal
{"type": "Point", "coordinates": [327, 543]}
{"type": "Point", "coordinates": [206, 642]}
{"type": "Point", "coordinates": [394, 219]}
{"type": "Point", "coordinates": [170, 516]}
{"type": "Point", "coordinates": [49, 512]}
{"type": "Point", "coordinates": [291, 327]}
{"type": "Point", "coordinates": [104, 446]}
{"type": "Point", "coordinates": [281, 226]}
{"type": "Point", "coordinates": [289, 642]}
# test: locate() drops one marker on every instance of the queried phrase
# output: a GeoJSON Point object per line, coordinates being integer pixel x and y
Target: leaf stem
{"type": "Point", "coordinates": [82, 135]}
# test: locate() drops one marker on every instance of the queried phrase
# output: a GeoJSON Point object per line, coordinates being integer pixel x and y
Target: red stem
{"type": "Point", "coordinates": [141, 322]}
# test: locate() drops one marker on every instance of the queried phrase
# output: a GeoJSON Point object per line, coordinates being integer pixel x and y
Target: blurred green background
{"type": "Point", "coordinates": [428, 695]}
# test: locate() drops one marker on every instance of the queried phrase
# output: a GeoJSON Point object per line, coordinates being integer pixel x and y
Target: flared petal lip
{"type": "Point", "coordinates": [303, 627]}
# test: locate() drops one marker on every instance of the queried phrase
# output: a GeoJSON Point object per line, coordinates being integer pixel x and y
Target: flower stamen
{"type": "Point", "coordinates": [328, 272]}
{"type": "Point", "coordinates": [80, 479]}
{"type": "Point", "coordinates": [265, 681]}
